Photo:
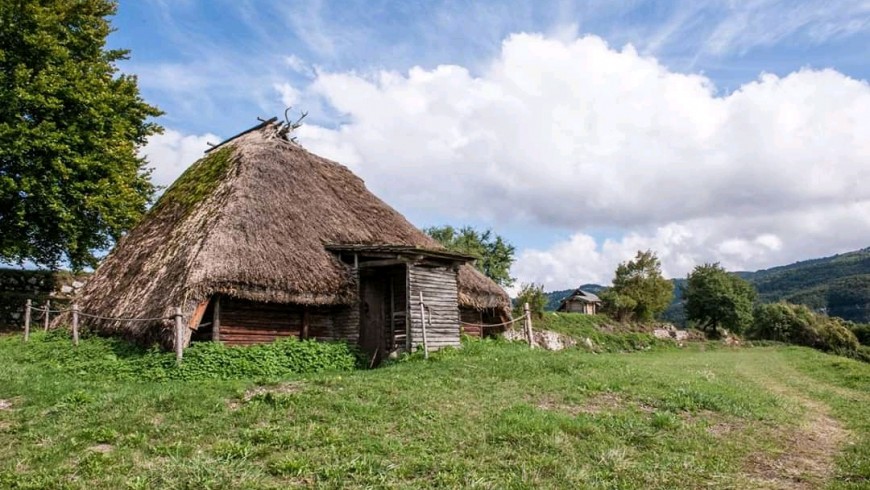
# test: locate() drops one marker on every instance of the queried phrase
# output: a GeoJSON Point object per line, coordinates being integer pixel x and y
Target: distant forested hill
{"type": "Point", "coordinates": [838, 285]}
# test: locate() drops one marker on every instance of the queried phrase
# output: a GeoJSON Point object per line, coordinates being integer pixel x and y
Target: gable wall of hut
{"type": "Point", "coordinates": [440, 295]}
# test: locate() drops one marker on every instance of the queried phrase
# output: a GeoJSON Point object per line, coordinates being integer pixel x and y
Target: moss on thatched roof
{"type": "Point", "coordinates": [195, 184]}
{"type": "Point", "coordinates": [252, 220]}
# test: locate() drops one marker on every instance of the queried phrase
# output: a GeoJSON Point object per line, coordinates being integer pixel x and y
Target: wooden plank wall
{"type": "Point", "coordinates": [485, 317]}
{"type": "Point", "coordinates": [345, 321]}
{"type": "Point", "coordinates": [475, 317]}
{"type": "Point", "coordinates": [398, 323]}
{"type": "Point", "coordinates": [248, 322]}
{"type": "Point", "coordinates": [439, 293]}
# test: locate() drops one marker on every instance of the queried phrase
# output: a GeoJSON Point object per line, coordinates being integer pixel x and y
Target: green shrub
{"type": "Point", "coordinates": [797, 324]}
{"type": "Point", "coordinates": [117, 359]}
{"type": "Point", "coordinates": [861, 331]}
{"type": "Point", "coordinates": [533, 294]}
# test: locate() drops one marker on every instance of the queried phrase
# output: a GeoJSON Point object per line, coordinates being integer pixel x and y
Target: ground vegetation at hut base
{"type": "Point", "coordinates": [493, 414]}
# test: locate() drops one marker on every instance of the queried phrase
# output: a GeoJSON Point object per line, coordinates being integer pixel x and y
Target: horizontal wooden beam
{"type": "Point", "coordinates": [381, 263]}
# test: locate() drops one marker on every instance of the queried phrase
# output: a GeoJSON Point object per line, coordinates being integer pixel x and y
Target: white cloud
{"type": "Point", "coordinates": [289, 95]}
{"type": "Point", "coordinates": [299, 65]}
{"type": "Point", "coordinates": [737, 242]}
{"type": "Point", "coordinates": [576, 135]}
{"type": "Point", "coordinates": [170, 153]}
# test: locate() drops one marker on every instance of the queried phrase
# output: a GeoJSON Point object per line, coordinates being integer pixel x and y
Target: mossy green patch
{"type": "Point", "coordinates": [198, 182]}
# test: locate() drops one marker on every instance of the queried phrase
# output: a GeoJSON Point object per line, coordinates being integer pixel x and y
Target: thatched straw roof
{"type": "Point", "coordinates": [251, 220]}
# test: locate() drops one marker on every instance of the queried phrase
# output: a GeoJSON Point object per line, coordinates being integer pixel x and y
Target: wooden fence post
{"type": "Point", "coordinates": [216, 320]}
{"type": "Point", "coordinates": [527, 324]}
{"type": "Point", "coordinates": [179, 335]}
{"type": "Point", "coordinates": [47, 313]}
{"type": "Point", "coordinates": [27, 320]}
{"type": "Point", "coordinates": [423, 325]}
{"type": "Point", "coordinates": [75, 324]}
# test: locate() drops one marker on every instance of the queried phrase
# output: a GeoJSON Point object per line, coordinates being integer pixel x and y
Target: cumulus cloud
{"type": "Point", "coordinates": [170, 153]}
{"type": "Point", "coordinates": [576, 135]}
{"type": "Point", "coordinates": [289, 95]}
{"type": "Point", "coordinates": [737, 242]}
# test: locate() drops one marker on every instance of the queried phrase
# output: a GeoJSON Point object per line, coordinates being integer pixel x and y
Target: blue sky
{"type": "Point", "coordinates": [363, 70]}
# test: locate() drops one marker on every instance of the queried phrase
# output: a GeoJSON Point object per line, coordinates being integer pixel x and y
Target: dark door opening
{"type": "Point", "coordinates": [383, 311]}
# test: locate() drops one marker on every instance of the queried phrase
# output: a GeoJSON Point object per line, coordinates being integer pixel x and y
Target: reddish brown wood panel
{"type": "Point", "coordinates": [248, 322]}
{"type": "Point", "coordinates": [471, 320]}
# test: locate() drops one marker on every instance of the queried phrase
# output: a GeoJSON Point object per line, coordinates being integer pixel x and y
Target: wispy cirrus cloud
{"type": "Point", "coordinates": [761, 23]}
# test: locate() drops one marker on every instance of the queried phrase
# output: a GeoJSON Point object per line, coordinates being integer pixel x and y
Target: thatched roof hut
{"type": "Point", "coordinates": [275, 231]}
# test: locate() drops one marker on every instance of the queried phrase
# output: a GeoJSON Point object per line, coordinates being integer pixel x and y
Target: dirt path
{"type": "Point", "coordinates": [807, 459]}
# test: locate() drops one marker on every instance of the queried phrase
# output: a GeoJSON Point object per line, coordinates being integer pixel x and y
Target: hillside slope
{"type": "Point", "coordinates": [838, 285]}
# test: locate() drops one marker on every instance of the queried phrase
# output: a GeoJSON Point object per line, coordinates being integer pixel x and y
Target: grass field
{"type": "Point", "coordinates": [494, 415]}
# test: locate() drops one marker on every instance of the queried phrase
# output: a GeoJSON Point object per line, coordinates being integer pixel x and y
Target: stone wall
{"type": "Point", "coordinates": [17, 286]}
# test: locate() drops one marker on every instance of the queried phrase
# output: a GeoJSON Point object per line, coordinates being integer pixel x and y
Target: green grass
{"type": "Point", "coordinates": [492, 415]}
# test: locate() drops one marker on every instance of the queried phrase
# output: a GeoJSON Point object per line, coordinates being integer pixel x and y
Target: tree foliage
{"type": "Point", "coordinates": [534, 295]}
{"type": "Point", "coordinates": [797, 324]}
{"type": "Point", "coordinates": [70, 126]}
{"type": "Point", "coordinates": [639, 291]}
{"type": "Point", "coordinates": [493, 253]}
{"type": "Point", "coordinates": [715, 298]}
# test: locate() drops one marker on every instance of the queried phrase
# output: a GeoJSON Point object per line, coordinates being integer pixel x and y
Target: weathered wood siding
{"type": "Point", "coordinates": [479, 323]}
{"type": "Point", "coordinates": [576, 306]}
{"type": "Point", "coordinates": [248, 322]}
{"type": "Point", "coordinates": [438, 285]}
{"type": "Point", "coordinates": [345, 321]}
{"type": "Point", "coordinates": [472, 320]}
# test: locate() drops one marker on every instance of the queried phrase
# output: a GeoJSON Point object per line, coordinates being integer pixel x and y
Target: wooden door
{"type": "Point", "coordinates": [373, 314]}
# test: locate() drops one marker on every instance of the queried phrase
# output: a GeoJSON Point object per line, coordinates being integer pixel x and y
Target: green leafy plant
{"type": "Point", "coordinates": [534, 295]}
{"type": "Point", "coordinates": [494, 254]}
{"type": "Point", "coordinates": [117, 359]}
{"type": "Point", "coordinates": [639, 290]}
{"type": "Point", "coordinates": [797, 324]}
{"type": "Point", "coordinates": [715, 298]}
{"type": "Point", "coordinates": [71, 125]}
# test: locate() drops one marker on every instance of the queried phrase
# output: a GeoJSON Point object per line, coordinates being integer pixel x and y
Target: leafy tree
{"type": "Point", "coordinates": [534, 295]}
{"type": "Point", "coordinates": [717, 299]}
{"type": "Point", "coordinates": [70, 125]}
{"type": "Point", "coordinates": [619, 306]}
{"type": "Point", "coordinates": [494, 255]}
{"type": "Point", "coordinates": [797, 324]}
{"type": "Point", "coordinates": [639, 291]}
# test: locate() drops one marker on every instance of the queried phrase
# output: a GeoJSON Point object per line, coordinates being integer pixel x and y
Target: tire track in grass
{"type": "Point", "coordinates": [808, 451]}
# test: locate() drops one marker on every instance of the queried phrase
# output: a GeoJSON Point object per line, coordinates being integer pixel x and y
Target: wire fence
{"type": "Point", "coordinates": [46, 312]}
{"type": "Point", "coordinates": [179, 330]}
{"type": "Point", "coordinates": [429, 309]}
{"type": "Point", "coordinates": [526, 318]}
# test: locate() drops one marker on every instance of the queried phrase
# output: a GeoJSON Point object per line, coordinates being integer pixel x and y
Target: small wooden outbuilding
{"type": "Point", "coordinates": [261, 239]}
{"type": "Point", "coordinates": [580, 302]}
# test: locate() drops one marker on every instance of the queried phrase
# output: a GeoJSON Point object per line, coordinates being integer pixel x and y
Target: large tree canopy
{"type": "Point", "coordinates": [494, 255]}
{"type": "Point", "coordinates": [70, 126]}
{"type": "Point", "coordinates": [639, 290]}
{"type": "Point", "coordinates": [715, 298]}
